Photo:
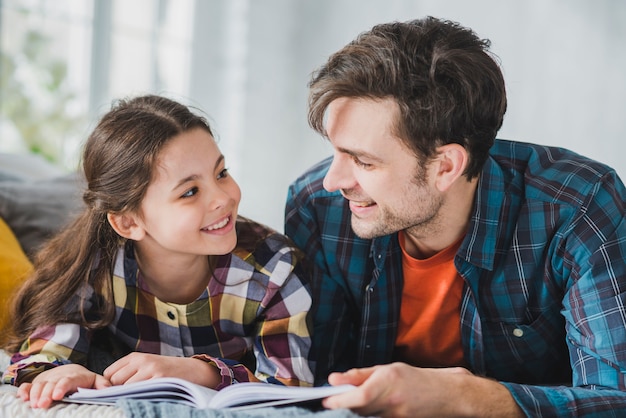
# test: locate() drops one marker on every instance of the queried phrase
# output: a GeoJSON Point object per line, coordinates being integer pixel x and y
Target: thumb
{"type": "Point", "coordinates": [353, 376]}
{"type": "Point", "coordinates": [101, 382]}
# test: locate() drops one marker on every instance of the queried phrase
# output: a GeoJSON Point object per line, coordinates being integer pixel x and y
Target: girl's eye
{"type": "Point", "coordinates": [189, 193]}
{"type": "Point", "coordinates": [223, 174]}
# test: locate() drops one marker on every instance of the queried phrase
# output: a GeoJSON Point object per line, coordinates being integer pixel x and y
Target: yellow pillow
{"type": "Point", "coordinates": [14, 267]}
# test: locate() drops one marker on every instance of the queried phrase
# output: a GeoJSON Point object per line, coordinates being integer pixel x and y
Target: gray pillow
{"type": "Point", "coordinates": [36, 209]}
{"type": "Point", "coordinates": [27, 167]}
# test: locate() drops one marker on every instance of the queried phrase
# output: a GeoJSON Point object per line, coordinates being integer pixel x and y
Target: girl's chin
{"type": "Point", "coordinates": [225, 245]}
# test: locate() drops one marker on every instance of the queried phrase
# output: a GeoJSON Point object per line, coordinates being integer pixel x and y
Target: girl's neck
{"type": "Point", "coordinates": [174, 280]}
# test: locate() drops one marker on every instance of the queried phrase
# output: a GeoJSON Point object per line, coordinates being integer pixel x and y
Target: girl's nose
{"type": "Point", "coordinates": [219, 196]}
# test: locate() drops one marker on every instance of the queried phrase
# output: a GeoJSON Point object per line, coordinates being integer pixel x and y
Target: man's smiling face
{"type": "Point", "coordinates": [375, 171]}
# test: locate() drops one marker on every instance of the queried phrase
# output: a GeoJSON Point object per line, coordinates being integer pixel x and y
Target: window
{"type": "Point", "coordinates": [43, 46]}
{"type": "Point", "coordinates": [63, 61]}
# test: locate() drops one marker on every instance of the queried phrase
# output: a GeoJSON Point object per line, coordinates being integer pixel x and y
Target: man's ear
{"type": "Point", "coordinates": [126, 226]}
{"type": "Point", "coordinates": [451, 163]}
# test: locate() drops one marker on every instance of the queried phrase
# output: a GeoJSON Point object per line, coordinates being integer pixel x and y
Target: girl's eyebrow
{"type": "Point", "coordinates": [185, 180]}
{"type": "Point", "coordinates": [219, 161]}
{"type": "Point", "coordinates": [192, 177]}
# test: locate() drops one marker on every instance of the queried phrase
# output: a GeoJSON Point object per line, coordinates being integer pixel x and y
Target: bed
{"type": "Point", "coordinates": [36, 200]}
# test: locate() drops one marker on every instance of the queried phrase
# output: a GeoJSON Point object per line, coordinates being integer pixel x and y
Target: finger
{"type": "Point", "coordinates": [62, 388]}
{"type": "Point", "coordinates": [44, 398]}
{"type": "Point", "coordinates": [23, 391]}
{"type": "Point", "coordinates": [367, 395]}
{"type": "Point", "coordinates": [350, 400]}
{"type": "Point", "coordinates": [122, 376]}
{"type": "Point", "coordinates": [35, 392]}
{"type": "Point", "coordinates": [353, 376]}
{"type": "Point", "coordinates": [137, 376]}
{"type": "Point", "coordinates": [115, 367]}
{"type": "Point", "coordinates": [356, 404]}
{"type": "Point", "coordinates": [101, 382]}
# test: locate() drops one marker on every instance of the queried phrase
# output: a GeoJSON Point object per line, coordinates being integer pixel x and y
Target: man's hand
{"type": "Point", "coordinates": [52, 385]}
{"type": "Point", "coordinates": [400, 390]}
{"type": "Point", "coordinates": [135, 367]}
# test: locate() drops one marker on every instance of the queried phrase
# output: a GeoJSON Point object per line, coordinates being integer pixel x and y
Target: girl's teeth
{"type": "Point", "coordinates": [219, 225]}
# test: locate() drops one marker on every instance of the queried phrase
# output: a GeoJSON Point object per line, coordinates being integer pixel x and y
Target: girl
{"type": "Point", "coordinates": [159, 260]}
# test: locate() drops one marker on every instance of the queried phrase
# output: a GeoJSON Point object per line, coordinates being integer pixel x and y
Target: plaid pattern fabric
{"type": "Point", "coordinates": [545, 280]}
{"type": "Point", "coordinates": [256, 302]}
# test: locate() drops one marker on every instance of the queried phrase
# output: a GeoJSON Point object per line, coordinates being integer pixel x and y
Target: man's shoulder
{"type": "Point", "coordinates": [313, 177]}
{"type": "Point", "coordinates": [310, 185]}
{"type": "Point", "coordinates": [548, 168]}
{"type": "Point", "coordinates": [542, 158]}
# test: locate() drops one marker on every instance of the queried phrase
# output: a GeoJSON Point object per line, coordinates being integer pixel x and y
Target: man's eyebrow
{"type": "Point", "coordinates": [359, 154]}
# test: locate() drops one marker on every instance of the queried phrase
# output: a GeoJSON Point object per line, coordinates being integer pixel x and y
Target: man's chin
{"type": "Point", "coordinates": [362, 229]}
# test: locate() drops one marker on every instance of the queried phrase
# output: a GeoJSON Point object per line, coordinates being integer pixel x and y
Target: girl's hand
{"type": "Point", "coordinates": [52, 385]}
{"type": "Point", "coordinates": [135, 367]}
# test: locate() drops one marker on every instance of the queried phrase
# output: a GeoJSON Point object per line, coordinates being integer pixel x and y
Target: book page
{"type": "Point", "coordinates": [240, 395]}
{"type": "Point", "coordinates": [255, 395]}
{"type": "Point", "coordinates": [168, 389]}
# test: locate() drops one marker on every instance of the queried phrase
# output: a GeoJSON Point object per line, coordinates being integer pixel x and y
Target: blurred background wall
{"type": "Point", "coordinates": [246, 64]}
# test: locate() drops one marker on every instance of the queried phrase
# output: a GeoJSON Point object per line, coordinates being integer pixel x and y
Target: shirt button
{"type": "Point", "coordinates": [171, 315]}
{"type": "Point", "coordinates": [518, 332]}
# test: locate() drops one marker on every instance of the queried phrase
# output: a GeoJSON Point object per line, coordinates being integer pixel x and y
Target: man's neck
{"type": "Point", "coordinates": [447, 227]}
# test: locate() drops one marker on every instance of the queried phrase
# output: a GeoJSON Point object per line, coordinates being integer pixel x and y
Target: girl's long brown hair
{"type": "Point", "coordinates": [118, 162]}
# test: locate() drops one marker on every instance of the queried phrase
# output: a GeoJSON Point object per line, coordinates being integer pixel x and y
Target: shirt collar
{"type": "Point", "coordinates": [479, 246]}
{"type": "Point", "coordinates": [480, 243]}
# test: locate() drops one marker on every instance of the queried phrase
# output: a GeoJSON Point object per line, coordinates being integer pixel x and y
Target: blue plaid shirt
{"type": "Point", "coordinates": [544, 304]}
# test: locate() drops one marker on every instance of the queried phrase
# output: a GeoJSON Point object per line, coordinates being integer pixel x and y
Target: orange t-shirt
{"type": "Point", "coordinates": [429, 329]}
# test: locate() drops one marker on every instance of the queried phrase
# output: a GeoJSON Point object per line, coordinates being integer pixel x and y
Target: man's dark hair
{"type": "Point", "coordinates": [448, 86]}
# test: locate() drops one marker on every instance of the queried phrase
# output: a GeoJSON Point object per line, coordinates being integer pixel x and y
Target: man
{"type": "Point", "coordinates": [454, 273]}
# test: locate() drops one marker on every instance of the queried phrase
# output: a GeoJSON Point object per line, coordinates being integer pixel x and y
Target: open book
{"type": "Point", "coordinates": [240, 395]}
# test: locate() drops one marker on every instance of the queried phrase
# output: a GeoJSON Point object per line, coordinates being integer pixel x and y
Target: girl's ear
{"type": "Point", "coordinates": [126, 226]}
{"type": "Point", "coordinates": [453, 160]}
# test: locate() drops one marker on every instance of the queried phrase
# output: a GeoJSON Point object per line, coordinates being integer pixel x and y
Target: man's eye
{"type": "Point", "coordinates": [223, 174]}
{"type": "Point", "coordinates": [361, 163]}
{"type": "Point", "coordinates": [191, 192]}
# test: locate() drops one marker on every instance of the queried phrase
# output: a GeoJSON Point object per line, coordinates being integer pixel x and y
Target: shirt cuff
{"type": "Point", "coordinates": [226, 373]}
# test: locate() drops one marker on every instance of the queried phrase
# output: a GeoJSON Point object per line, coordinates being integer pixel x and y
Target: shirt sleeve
{"type": "Point", "coordinates": [282, 341]}
{"type": "Point", "coordinates": [330, 317]}
{"type": "Point", "coordinates": [281, 338]}
{"type": "Point", "coordinates": [594, 307]}
{"type": "Point", "coordinates": [46, 348]}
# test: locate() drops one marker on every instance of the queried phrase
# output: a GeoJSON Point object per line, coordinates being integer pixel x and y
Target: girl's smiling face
{"type": "Point", "coordinates": [191, 203]}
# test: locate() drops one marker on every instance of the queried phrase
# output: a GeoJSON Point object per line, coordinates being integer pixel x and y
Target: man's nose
{"type": "Point", "coordinates": [339, 175]}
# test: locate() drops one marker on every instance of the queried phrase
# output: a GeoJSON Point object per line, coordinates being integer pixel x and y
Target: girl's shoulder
{"type": "Point", "coordinates": [264, 246]}
{"type": "Point", "coordinates": [252, 235]}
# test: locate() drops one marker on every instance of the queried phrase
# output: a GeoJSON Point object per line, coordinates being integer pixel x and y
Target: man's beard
{"type": "Point", "coordinates": [421, 217]}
